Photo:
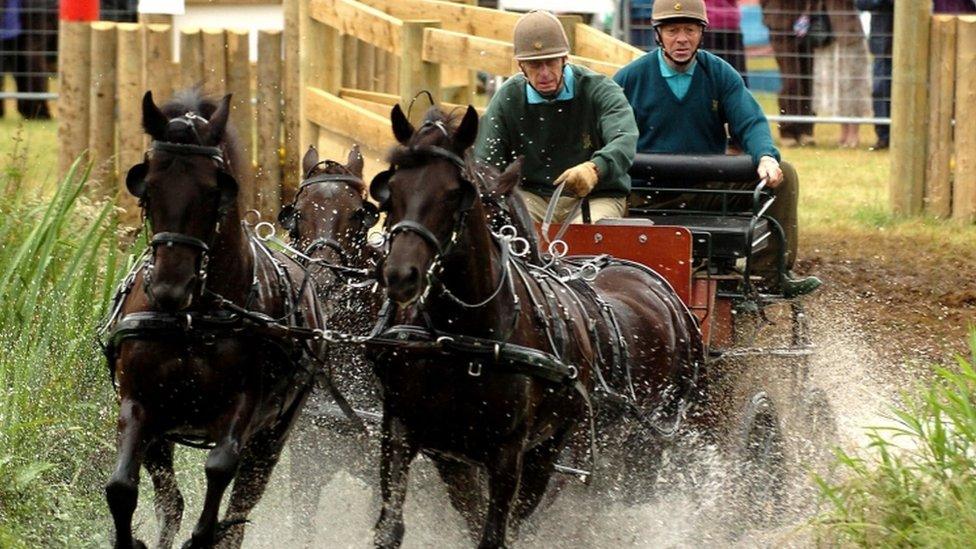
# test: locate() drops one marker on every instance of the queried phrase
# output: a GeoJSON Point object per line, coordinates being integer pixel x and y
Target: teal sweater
{"type": "Point", "coordinates": [596, 124]}
{"type": "Point", "coordinates": [695, 124]}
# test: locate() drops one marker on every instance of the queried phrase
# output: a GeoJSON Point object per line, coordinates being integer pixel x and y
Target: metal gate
{"type": "Point", "coordinates": [29, 50]}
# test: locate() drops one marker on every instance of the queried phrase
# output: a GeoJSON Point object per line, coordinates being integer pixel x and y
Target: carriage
{"type": "Point", "coordinates": [757, 344]}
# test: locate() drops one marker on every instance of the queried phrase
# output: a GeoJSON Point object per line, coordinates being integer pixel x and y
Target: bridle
{"type": "Point", "coordinates": [135, 181]}
{"type": "Point", "coordinates": [379, 188]}
{"type": "Point", "coordinates": [289, 215]}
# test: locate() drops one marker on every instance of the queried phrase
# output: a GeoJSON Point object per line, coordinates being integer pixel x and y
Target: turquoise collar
{"type": "Point", "coordinates": [668, 72]}
{"type": "Point", "coordinates": [567, 93]}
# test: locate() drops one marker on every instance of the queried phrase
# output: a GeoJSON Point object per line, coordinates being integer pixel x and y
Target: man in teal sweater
{"type": "Point", "coordinates": [570, 124]}
{"type": "Point", "coordinates": [683, 99]}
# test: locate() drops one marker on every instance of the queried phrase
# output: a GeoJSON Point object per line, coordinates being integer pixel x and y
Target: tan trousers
{"type": "Point", "coordinates": [600, 208]}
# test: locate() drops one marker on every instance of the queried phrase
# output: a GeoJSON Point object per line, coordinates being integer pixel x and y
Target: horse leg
{"type": "Point", "coordinates": [122, 490]}
{"type": "Point", "coordinates": [504, 476]}
{"type": "Point", "coordinates": [168, 500]}
{"type": "Point", "coordinates": [396, 454]}
{"type": "Point", "coordinates": [539, 466]}
{"type": "Point", "coordinates": [260, 458]}
{"type": "Point", "coordinates": [463, 484]}
{"type": "Point", "coordinates": [220, 468]}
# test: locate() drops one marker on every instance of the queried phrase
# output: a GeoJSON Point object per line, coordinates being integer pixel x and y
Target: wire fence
{"type": "Point", "coordinates": [822, 60]}
{"type": "Point", "coordinates": [29, 50]}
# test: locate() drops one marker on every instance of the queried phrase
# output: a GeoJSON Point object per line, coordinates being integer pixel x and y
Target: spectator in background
{"type": "Point", "coordinates": [954, 6]}
{"type": "Point", "coordinates": [795, 60]}
{"type": "Point", "coordinates": [724, 37]}
{"type": "Point", "coordinates": [879, 42]}
{"type": "Point", "coordinates": [840, 68]}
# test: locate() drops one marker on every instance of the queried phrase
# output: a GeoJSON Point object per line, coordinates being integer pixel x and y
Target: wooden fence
{"type": "Point", "coordinates": [933, 147]}
{"type": "Point", "coordinates": [328, 80]}
{"type": "Point", "coordinates": [118, 62]}
{"type": "Point", "coordinates": [372, 54]}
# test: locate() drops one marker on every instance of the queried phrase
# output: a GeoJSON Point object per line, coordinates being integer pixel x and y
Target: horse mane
{"type": "Point", "coordinates": [193, 100]}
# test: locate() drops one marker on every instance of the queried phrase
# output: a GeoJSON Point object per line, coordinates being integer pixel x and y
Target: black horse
{"type": "Point", "coordinates": [493, 358]}
{"type": "Point", "coordinates": [204, 336]}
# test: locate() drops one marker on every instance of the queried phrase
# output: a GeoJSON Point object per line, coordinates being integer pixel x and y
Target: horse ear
{"type": "Point", "coordinates": [218, 122]}
{"type": "Point", "coordinates": [309, 161]}
{"type": "Point", "coordinates": [153, 119]}
{"type": "Point", "coordinates": [402, 128]}
{"type": "Point", "coordinates": [467, 130]}
{"type": "Point", "coordinates": [355, 161]}
{"type": "Point", "coordinates": [509, 179]}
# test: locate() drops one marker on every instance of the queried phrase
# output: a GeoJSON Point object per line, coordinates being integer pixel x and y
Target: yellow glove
{"type": "Point", "coordinates": [580, 179]}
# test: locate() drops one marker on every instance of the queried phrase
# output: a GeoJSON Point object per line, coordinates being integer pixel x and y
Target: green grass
{"type": "Point", "coordinates": [915, 484]}
{"type": "Point", "coordinates": [59, 262]}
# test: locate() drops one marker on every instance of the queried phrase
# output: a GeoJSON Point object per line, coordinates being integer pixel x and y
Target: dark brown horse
{"type": "Point", "coordinates": [198, 344]}
{"type": "Point", "coordinates": [500, 356]}
{"type": "Point", "coordinates": [328, 221]}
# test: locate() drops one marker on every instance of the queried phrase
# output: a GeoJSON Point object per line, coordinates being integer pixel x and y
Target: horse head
{"type": "Point", "coordinates": [427, 195]}
{"type": "Point", "coordinates": [187, 193]}
{"type": "Point", "coordinates": [330, 214]}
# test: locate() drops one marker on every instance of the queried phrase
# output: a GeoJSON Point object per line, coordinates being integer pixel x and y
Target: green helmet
{"type": "Point", "coordinates": [666, 11]}
{"type": "Point", "coordinates": [539, 35]}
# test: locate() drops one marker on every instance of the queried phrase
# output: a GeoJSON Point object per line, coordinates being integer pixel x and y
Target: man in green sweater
{"type": "Point", "coordinates": [570, 124]}
{"type": "Point", "coordinates": [683, 99]}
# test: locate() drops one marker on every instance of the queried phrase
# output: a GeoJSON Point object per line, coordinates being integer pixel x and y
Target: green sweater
{"type": "Point", "coordinates": [596, 124]}
{"type": "Point", "coordinates": [695, 124]}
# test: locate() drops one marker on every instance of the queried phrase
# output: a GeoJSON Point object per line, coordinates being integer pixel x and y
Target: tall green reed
{"type": "Point", "coordinates": [59, 263]}
{"type": "Point", "coordinates": [915, 484]}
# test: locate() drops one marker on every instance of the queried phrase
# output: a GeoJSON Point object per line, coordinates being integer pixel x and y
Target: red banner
{"type": "Point", "coordinates": [79, 10]}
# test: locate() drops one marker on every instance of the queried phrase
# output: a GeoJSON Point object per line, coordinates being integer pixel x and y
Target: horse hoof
{"type": "Point", "coordinates": [389, 537]}
{"type": "Point", "coordinates": [139, 544]}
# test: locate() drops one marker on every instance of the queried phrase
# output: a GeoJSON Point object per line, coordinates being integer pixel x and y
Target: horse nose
{"type": "Point", "coordinates": [403, 282]}
{"type": "Point", "coordinates": [171, 297]}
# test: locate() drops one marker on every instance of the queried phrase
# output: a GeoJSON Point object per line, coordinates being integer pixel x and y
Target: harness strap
{"type": "Point", "coordinates": [168, 239]}
{"type": "Point", "coordinates": [420, 230]}
{"type": "Point", "coordinates": [507, 358]}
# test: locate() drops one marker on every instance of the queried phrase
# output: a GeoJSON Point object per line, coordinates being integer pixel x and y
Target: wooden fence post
{"type": "Point", "coordinates": [942, 79]}
{"type": "Point", "coordinates": [191, 57]}
{"type": "Point", "coordinates": [569, 25]}
{"type": "Point", "coordinates": [101, 126]}
{"type": "Point", "coordinates": [909, 106]}
{"type": "Point", "coordinates": [417, 75]}
{"type": "Point", "coordinates": [214, 62]}
{"type": "Point", "coordinates": [160, 73]}
{"type": "Point", "coordinates": [382, 69]}
{"type": "Point", "coordinates": [321, 66]}
{"type": "Point", "coordinates": [269, 124]}
{"type": "Point", "coordinates": [131, 89]}
{"type": "Point", "coordinates": [367, 67]}
{"type": "Point", "coordinates": [964, 187]}
{"type": "Point", "coordinates": [291, 87]}
{"type": "Point", "coordinates": [242, 112]}
{"type": "Point", "coordinates": [74, 84]}
{"type": "Point", "coordinates": [350, 61]}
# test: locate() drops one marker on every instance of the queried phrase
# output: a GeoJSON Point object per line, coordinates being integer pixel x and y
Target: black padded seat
{"type": "Point", "coordinates": [715, 236]}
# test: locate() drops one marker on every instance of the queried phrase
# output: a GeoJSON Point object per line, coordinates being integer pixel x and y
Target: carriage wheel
{"type": "Point", "coordinates": [759, 452]}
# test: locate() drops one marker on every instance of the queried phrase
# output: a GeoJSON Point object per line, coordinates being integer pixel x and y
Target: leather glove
{"type": "Point", "coordinates": [769, 168]}
{"type": "Point", "coordinates": [580, 179]}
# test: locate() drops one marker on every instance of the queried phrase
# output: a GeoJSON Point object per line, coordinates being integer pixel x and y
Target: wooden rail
{"type": "Point", "coordinates": [111, 65]}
